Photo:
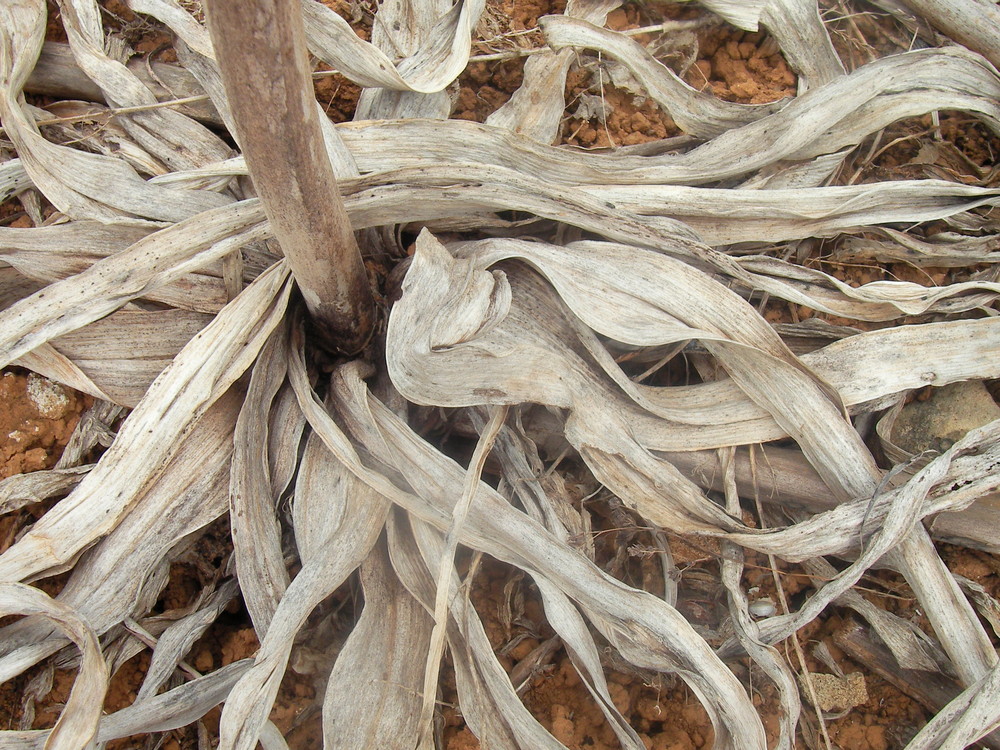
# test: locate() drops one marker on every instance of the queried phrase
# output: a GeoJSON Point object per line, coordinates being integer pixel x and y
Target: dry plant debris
{"type": "Point", "coordinates": [678, 373]}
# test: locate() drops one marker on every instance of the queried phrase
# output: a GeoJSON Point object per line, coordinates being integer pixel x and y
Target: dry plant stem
{"type": "Point", "coordinates": [974, 23]}
{"type": "Point", "coordinates": [932, 690]}
{"type": "Point", "coordinates": [784, 478]}
{"type": "Point", "coordinates": [780, 590]}
{"type": "Point", "coordinates": [954, 621]}
{"type": "Point", "coordinates": [732, 571]}
{"type": "Point", "coordinates": [261, 50]}
{"type": "Point", "coordinates": [446, 569]}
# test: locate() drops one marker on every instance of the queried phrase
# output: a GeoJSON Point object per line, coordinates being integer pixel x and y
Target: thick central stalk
{"type": "Point", "coordinates": [261, 50]}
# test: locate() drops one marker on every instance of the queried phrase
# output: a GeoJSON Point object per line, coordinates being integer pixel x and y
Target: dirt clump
{"type": "Point", "coordinates": [835, 693]}
{"type": "Point", "coordinates": [37, 417]}
{"type": "Point", "coordinates": [746, 68]}
{"type": "Point", "coordinates": [337, 95]}
{"type": "Point", "coordinates": [606, 108]}
{"type": "Point", "coordinates": [485, 87]}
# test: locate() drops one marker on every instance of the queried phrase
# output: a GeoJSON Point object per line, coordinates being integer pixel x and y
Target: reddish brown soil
{"type": "Point", "coordinates": [735, 66]}
{"type": "Point", "coordinates": [36, 419]}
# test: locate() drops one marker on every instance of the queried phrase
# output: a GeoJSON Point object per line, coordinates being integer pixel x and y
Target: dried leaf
{"type": "Point", "coordinates": [78, 723]}
{"type": "Point", "coordinates": [200, 374]}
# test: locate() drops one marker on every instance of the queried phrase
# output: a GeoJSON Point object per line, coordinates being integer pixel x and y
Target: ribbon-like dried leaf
{"type": "Point", "coordinates": [200, 374]}
{"type": "Point", "coordinates": [77, 726]}
{"type": "Point", "coordinates": [372, 697]}
{"type": "Point", "coordinates": [116, 578]}
{"type": "Point", "coordinates": [444, 54]}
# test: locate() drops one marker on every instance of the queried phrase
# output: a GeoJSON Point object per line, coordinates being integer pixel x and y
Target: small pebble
{"type": "Point", "coordinates": [49, 398]}
{"type": "Point", "coordinates": [762, 607]}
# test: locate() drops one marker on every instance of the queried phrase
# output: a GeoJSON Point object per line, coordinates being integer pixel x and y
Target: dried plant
{"type": "Point", "coordinates": [163, 284]}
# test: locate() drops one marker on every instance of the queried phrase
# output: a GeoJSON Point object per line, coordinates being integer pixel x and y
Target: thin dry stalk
{"type": "Point", "coordinates": [445, 569]}
{"type": "Point", "coordinates": [772, 563]}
